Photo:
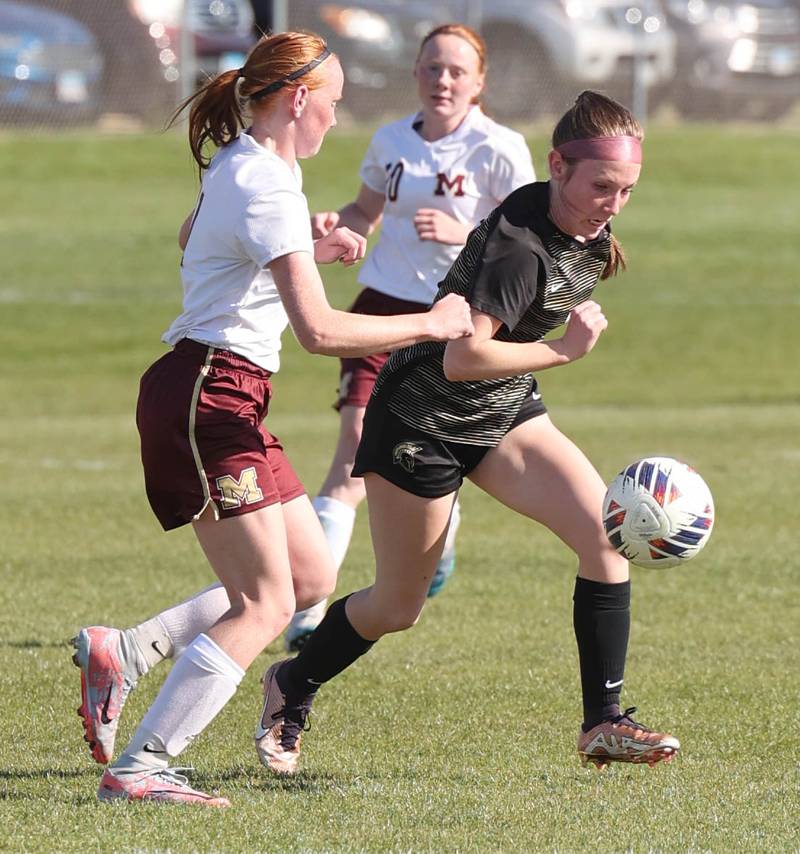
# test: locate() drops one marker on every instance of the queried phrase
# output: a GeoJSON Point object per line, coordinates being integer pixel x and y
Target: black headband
{"type": "Point", "coordinates": [279, 84]}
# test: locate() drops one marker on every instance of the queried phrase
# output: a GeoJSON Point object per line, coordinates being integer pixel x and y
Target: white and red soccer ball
{"type": "Point", "coordinates": [658, 512]}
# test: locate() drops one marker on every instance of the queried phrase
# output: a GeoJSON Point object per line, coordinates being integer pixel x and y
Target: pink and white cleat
{"type": "Point", "coordinates": [622, 739]}
{"type": "Point", "coordinates": [160, 785]}
{"type": "Point", "coordinates": [106, 681]}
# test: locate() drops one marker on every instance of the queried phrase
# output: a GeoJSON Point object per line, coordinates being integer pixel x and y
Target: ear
{"type": "Point", "coordinates": [299, 100]}
{"type": "Point", "coordinates": [479, 85]}
{"type": "Point", "coordinates": [557, 165]}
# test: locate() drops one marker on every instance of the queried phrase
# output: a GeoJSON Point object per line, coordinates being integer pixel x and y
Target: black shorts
{"type": "Point", "coordinates": [416, 461]}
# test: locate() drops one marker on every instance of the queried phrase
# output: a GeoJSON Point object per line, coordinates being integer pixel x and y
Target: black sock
{"type": "Point", "coordinates": [602, 620]}
{"type": "Point", "coordinates": [333, 646]}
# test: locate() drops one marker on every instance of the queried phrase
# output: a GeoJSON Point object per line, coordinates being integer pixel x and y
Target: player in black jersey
{"type": "Point", "coordinates": [471, 408]}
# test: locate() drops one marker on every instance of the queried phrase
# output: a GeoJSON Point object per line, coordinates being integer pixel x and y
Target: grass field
{"type": "Point", "coordinates": [458, 735]}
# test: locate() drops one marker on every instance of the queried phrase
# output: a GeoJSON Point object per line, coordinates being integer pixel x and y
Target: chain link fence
{"type": "Point", "coordinates": [66, 62]}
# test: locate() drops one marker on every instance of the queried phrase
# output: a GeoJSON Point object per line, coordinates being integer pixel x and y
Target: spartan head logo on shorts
{"type": "Point", "coordinates": [403, 455]}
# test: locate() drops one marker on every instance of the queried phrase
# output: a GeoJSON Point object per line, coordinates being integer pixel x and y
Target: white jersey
{"type": "Point", "coordinates": [251, 210]}
{"type": "Point", "coordinates": [466, 174]}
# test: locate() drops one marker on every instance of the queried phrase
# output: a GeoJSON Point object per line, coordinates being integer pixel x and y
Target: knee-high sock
{"type": "Point", "coordinates": [170, 632]}
{"type": "Point", "coordinates": [337, 520]}
{"type": "Point", "coordinates": [602, 619]}
{"type": "Point", "coordinates": [199, 685]}
{"type": "Point", "coordinates": [334, 646]}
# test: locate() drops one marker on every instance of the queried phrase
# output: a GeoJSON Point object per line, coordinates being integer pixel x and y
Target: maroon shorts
{"type": "Point", "coordinates": [200, 415]}
{"type": "Point", "coordinates": [357, 376]}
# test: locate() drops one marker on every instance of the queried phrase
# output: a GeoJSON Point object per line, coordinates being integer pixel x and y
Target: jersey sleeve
{"type": "Point", "coordinates": [373, 170]}
{"type": "Point", "coordinates": [507, 279]}
{"type": "Point", "coordinates": [275, 224]}
{"type": "Point", "coordinates": [512, 168]}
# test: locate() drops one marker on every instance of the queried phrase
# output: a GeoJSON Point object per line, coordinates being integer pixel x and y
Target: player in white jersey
{"type": "Point", "coordinates": [209, 460]}
{"type": "Point", "coordinates": [428, 179]}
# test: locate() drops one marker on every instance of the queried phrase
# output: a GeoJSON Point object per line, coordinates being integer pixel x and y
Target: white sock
{"type": "Point", "coordinates": [170, 632]}
{"type": "Point", "coordinates": [337, 519]}
{"type": "Point", "coordinates": [199, 685]}
{"type": "Point", "coordinates": [450, 539]}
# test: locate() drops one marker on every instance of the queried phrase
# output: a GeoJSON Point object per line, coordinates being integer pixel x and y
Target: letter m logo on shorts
{"type": "Point", "coordinates": [236, 492]}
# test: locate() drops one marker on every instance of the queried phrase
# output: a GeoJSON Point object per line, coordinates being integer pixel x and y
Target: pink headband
{"type": "Point", "coordinates": [625, 148]}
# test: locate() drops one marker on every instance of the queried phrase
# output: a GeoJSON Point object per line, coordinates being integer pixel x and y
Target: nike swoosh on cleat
{"type": "Point", "coordinates": [154, 644]}
{"type": "Point", "coordinates": [147, 749]}
{"type": "Point", "coordinates": [614, 684]}
{"type": "Point", "coordinates": [104, 714]}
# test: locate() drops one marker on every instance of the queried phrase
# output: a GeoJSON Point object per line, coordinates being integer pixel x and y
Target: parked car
{"type": "Point", "coordinates": [736, 59]}
{"type": "Point", "coordinates": [222, 33]}
{"type": "Point", "coordinates": [50, 65]}
{"type": "Point", "coordinates": [140, 42]}
{"type": "Point", "coordinates": [540, 54]}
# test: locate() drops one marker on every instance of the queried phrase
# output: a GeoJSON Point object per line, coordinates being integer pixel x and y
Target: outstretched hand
{"type": "Point", "coordinates": [341, 245]}
{"type": "Point", "coordinates": [585, 325]}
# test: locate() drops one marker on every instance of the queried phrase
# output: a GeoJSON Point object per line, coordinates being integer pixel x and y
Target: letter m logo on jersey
{"type": "Point", "coordinates": [236, 492]}
{"type": "Point", "coordinates": [456, 185]}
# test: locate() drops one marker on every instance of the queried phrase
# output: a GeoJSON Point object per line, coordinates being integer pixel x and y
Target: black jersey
{"type": "Point", "coordinates": [518, 267]}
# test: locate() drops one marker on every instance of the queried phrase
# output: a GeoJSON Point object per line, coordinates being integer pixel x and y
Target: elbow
{"type": "Point", "coordinates": [453, 367]}
{"type": "Point", "coordinates": [312, 340]}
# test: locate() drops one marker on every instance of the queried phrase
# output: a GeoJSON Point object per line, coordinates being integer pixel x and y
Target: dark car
{"type": "Point", "coordinates": [140, 43]}
{"type": "Point", "coordinates": [50, 66]}
{"type": "Point", "coordinates": [736, 59]}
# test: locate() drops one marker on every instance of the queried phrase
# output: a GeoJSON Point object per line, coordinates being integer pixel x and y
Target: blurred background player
{"type": "Point", "coordinates": [248, 271]}
{"type": "Point", "coordinates": [471, 408]}
{"type": "Point", "coordinates": [427, 179]}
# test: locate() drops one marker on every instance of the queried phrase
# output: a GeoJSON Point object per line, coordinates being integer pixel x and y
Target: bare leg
{"type": "Point", "coordinates": [405, 557]}
{"type": "Point", "coordinates": [539, 472]}
{"type": "Point", "coordinates": [338, 483]}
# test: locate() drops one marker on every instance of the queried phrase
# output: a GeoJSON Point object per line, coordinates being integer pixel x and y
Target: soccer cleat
{"type": "Point", "coordinates": [302, 625]}
{"type": "Point", "coordinates": [280, 728]}
{"type": "Point", "coordinates": [160, 785]}
{"type": "Point", "coordinates": [621, 739]}
{"type": "Point", "coordinates": [444, 569]}
{"type": "Point", "coordinates": [106, 681]}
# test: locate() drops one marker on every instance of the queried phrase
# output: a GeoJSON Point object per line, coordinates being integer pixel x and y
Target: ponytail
{"type": "Point", "coordinates": [217, 111]}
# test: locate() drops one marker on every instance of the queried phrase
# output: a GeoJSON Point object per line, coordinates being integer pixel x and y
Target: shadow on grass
{"type": "Point", "coordinates": [27, 779]}
{"type": "Point", "coordinates": [30, 643]}
{"type": "Point", "coordinates": [303, 783]}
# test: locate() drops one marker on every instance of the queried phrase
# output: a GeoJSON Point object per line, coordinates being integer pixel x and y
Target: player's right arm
{"type": "Point", "coordinates": [361, 215]}
{"type": "Point", "coordinates": [322, 329]}
{"type": "Point", "coordinates": [482, 357]}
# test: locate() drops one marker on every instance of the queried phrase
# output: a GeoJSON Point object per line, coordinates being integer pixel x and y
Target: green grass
{"type": "Point", "coordinates": [458, 735]}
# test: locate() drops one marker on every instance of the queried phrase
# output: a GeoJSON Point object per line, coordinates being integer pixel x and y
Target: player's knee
{"type": "Point", "coordinates": [314, 590]}
{"type": "Point", "coordinates": [265, 616]}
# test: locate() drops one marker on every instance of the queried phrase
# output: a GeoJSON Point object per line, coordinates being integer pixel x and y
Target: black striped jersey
{"type": "Point", "coordinates": [519, 268]}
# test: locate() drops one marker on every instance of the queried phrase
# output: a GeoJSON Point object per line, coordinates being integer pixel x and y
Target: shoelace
{"type": "Point", "coordinates": [295, 721]}
{"type": "Point", "coordinates": [170, 775]}
{"type": "Point", "coordinates": [627, 717]}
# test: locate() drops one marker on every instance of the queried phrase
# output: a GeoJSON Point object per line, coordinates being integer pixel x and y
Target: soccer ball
{"type": "Point", "coordinates": [658, 512]}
